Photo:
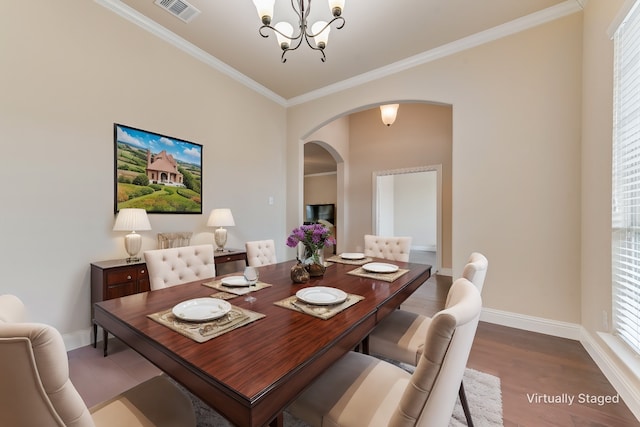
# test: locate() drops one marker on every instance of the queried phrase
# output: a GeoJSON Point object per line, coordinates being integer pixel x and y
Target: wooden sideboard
{"type": "Point", "coordinates": [118, 278]}
{"type": "Point", "coordinates": [114, 279]}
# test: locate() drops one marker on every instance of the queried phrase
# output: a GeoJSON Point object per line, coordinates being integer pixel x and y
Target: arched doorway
{"type": "Point", "coordinates": [320, 188]}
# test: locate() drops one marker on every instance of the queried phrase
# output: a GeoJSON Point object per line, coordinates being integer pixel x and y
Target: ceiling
{"type": "Point", "coordinates": [379, 36]}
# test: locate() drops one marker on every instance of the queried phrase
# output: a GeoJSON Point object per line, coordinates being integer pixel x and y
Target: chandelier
{"type": "Point", "coordinates": [284, 31]}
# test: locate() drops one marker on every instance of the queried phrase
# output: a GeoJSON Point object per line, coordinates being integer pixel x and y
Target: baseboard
{"type": "Point", "coordinates": [77, 339]}
{"type": "Point", "coordinates": [629, 392]}
{"type": "Point", "coordinates": [532, 323]}
{"type": "Point", "coordinates": [426, 248]}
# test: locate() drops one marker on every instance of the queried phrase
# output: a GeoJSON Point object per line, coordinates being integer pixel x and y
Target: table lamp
{"type": "Point", "coordinates": [220, 218]}
{"type": "Point", "coordinates": [132, 220]}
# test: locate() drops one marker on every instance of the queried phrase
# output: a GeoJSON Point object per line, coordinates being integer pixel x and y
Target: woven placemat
{"type": "Point", "coordinates": [386, 277]}
{"type": "Point", "coordinates": [237, 290]}
{"type": "Point", "coordinates": [204, 331]}
{"type": "Point", "coordinates": [340, 260]}
{"type": "Point", "coordinates": [321, 311]}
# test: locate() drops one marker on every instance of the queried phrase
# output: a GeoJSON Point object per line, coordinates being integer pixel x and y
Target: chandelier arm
{"type": "Point", "coordinates": [275, 30]}
{"type": "Point", "coordinates": [337, 18]}
{"type": "Point", "coordinates": [321, 50]}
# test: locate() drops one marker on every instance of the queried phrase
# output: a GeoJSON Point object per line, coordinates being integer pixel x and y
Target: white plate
{"type": "Point", "coordinates": [380, 267]}
{"type": "Point", "coordinates": [321, 295]}
{"type": "Point", "coordinates": [234, 281]}
{"type": "Point", "coordinates": [352, 255]}
{"type": "Point", "coordinates": [201, 309]}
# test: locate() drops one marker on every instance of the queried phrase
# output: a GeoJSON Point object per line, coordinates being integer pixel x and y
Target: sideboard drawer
{"type": "Point", "coordinates": [120, 290]}
{"type": "Point", "coordinates": [121, 275]}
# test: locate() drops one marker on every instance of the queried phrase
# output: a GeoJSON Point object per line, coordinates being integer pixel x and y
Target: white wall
{"type": "Point", "coordinates": [415, 198]}
{"type": "Point", "coordinates": [67, 76]}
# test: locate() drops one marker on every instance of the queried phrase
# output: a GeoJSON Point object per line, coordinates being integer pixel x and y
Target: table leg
{"type": "Point", "coordinates": [277, 421]}
{"type": "Point", "coordinates": [105, 341]}
{"type": "Point", "coordinates": [95, 335]}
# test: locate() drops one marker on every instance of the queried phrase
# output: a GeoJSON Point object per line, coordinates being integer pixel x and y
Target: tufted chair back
{"type": "Point", "coordinates": [429, 398]}
{"type": "Point", "coordinates": [35, 389]}
{"type": "Point", "coordinates": [175, 266]}
{"type": "Point", "coordinates": [360, 389]}
{"type": "Point", "coordinates": [261, 252]}
{"type": "Point", "coordinates": [476, 270]}
{"type": "Point", "coordinates": [391, 248]}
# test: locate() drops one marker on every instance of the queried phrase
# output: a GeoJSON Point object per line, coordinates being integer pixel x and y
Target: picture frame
{"type": "Point", "coordinates": [155, 172]}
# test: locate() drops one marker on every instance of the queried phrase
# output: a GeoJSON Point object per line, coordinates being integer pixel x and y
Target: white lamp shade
{"type": "Point", "coordinates": [388, 113]}
{"type": "Point", "coordinates": [264, 7]}
{"type": "Point", "coordinates": [221, 218]}
{"type": "Point", "coordinates": [286, 29]}
{"type": "Point", "coordinates": [132, 220]}
{"type": "Point", "coordinates": [321, 38]}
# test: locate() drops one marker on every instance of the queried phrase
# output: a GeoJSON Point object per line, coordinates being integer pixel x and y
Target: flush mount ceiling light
{"type": "Point", "coordinates": [284, 30]}
{"type": "Point", "coordinates": [388, 113]}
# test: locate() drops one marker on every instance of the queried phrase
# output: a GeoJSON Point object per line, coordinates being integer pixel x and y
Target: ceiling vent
{"type": "Point", "coordinates": [179, 8]}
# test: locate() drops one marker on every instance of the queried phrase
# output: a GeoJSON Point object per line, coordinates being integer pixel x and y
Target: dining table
{"type": "Point", "coordinates": [250, 374]}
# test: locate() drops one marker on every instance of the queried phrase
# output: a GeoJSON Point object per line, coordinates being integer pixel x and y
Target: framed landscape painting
{"type": "Point", "coordinates": [158, 173]}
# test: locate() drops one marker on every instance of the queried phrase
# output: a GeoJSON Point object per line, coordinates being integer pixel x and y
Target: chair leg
{"type": "Point", "coordinates": [465, 405]}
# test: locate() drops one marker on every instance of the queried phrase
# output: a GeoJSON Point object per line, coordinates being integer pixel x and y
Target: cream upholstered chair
{"type": "Point", "coordinates": [175, 266]}
{"type": "Point", "coordinates": [361, 390]}
{"type": "Point", "coordinates": [36, 390]}
{"type": "Point", "coordinates": [391, 248]}
{"type": "Point", "coordinates": [400, 335]}
{"type": "Point", "coordinates": [261, 252]}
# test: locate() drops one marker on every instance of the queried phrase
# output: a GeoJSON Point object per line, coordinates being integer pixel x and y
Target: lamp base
{"type": "Point", "coordinates": [133, 244]}
{"type": "Point", "coordinates": [220, 237]}
{"type": "Point", "coordinates": [132, 260]}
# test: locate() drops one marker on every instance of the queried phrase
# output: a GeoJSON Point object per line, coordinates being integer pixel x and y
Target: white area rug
{"type": "Point", "coordinates": [483, 394]}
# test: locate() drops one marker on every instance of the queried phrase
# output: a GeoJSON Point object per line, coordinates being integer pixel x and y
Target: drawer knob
{"type": "Point", "coordinates": [142, 271]}
{"type": "Point", "coordinates": [128, 277]}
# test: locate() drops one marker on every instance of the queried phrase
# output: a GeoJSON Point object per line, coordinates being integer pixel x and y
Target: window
{"type": "Point", "coordinates": [626, 181]}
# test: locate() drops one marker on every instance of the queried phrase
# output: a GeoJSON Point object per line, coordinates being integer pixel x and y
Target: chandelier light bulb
{"type": "Point", "coordinates": [336, 7]}
{"type": "Point", "coordinates": [284, 39]}
{"type": "Point", "coordinates": [265, 10]}
{"type": "Point", "coordinates": [321, 36]}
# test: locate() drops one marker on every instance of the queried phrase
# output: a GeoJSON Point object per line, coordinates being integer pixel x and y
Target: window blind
{"type": "Point", "coordinates": [626, 181]}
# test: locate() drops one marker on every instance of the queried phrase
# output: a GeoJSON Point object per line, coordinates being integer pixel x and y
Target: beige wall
{"type": "Point", "coordinates": [516, 159]}
{"type": "Point", "coordinates": [65, 81]}
{"type": "Point", "coordinates": [320, 189]}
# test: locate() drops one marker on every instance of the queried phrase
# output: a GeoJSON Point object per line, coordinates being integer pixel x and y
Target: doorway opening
{"type": "Point", "coordinates": [408, 202]}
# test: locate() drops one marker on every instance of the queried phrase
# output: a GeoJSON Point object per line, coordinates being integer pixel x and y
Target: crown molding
{"type": "Point", "coordinates": [532, 20]}
{"type": "Point", "coordinates": [157, 30]}
{"type": "Point", "coordinates": [552, 13]}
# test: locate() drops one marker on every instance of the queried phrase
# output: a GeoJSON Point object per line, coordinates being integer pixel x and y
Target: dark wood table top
{"type": "Point", "coordinates": [252, 373]}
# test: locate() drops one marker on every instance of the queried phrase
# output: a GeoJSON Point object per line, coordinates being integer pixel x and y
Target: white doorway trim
{"type": "Point", "coordinates": [375, 214]}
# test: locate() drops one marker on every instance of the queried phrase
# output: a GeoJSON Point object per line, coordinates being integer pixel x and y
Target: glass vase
{"type": "Point", "coordinates": [313, 259]}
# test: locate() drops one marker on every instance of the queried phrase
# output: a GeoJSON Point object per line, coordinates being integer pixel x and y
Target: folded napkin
{"type": "Point", "coordinates": [339, 259]}
{"type": "Point", "coordinates": [322, 311]}
{"type": "Point", "coordinates": [204, 331]}
{"type": "Point", "coordinates": [237, 290]}
{"type": "Point", "coordinates": [386, 277]}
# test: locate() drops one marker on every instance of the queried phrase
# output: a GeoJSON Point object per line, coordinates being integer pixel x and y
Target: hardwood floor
{"type": "Point", "coordinates": [534, 370]}
{"type": "Point", "coordinates": [530, 366]}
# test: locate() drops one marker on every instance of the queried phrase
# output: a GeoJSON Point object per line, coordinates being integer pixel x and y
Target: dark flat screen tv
{"type": "Point", "coordinates": [322, 211]}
